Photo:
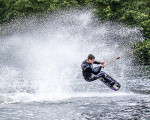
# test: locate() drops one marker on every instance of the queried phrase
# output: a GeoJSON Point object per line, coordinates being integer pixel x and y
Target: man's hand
{"type": "Point", "coordinates": [102, 63]}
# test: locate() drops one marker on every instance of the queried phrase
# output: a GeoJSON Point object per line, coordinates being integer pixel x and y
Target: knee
{"type": "Point", "coordinates": [102, 74]}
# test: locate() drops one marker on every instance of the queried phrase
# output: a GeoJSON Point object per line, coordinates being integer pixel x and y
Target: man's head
{"type": "Point", "coordinates": [91, 58]}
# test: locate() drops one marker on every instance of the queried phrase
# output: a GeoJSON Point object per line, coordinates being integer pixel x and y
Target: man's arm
{"type": "Point", "coordinates": [102, 63]}
{"type": "Point", "coordinates": [96, 62]}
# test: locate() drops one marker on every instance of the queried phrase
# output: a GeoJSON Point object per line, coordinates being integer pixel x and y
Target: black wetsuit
{"type": "Point", "coordinates": [90, 73]}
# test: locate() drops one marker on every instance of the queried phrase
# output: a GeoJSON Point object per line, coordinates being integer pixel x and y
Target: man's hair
{"type": "Point", "coordinates": [90, 56]}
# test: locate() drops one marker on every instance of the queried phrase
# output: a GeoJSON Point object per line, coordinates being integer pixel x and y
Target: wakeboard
{"type": "Point", "coordinates": [111, 83]}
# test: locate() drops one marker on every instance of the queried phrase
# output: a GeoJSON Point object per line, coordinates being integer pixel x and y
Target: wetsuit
{"type": "Point", "coordinates": [90, 73]}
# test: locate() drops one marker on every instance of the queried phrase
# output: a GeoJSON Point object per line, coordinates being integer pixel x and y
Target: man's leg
{"type": "Point", "coordinates": [91, 78]}
{"type": "Point", "coordinates": [100, 74]}
{"type": "Point", "coordinates": [95, 77]}
{"type": "Point", "coordinates": [104, 76]}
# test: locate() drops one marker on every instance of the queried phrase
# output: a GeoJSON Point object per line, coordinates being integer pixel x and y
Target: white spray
{"type": "Point", "coordinates": [40, 59]}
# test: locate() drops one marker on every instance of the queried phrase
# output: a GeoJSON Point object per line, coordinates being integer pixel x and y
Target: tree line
{"type": "Point", "coordinates": [130, 12]}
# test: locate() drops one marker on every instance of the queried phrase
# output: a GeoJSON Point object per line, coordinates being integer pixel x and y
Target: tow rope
{"type": "Point", "coordinates": [112, 60]}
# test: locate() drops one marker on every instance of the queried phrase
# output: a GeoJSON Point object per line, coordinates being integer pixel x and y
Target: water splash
{"type": "Point", "coordinates": [40, 59]}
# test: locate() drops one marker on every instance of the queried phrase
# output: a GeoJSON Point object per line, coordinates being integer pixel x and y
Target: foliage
{"type": "Point", "coordinates": [131, 12]}
{"type": "Point", "coordinates": [11, 9]}
{"type": "Point", "coordinates": [143, 55]}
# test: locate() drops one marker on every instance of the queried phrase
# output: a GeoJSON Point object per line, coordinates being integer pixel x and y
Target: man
{"type": "Point", "coordinates": [90, 73]}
